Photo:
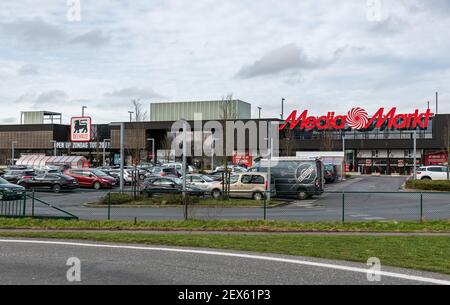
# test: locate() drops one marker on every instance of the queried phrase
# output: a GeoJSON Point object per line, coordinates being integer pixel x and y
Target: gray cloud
{"type": "Point", "coordinates": [28, 69]}
{"type": "Point", "coordinates": [287, 58]}
{"type": "Point", "coordinates": [134, 93]}
{"type": "Point", "coordinates": [9, 120]}
{"type": "Point", "coordinates": [35, 31]}
{"type": "Point", "coordinates": [50, 98]}
{"type": "Point", "coordinates": [93, 39]}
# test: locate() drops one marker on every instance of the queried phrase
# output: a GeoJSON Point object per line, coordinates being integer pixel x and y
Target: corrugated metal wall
{"type": "Point", "coordinates": [210, 110]}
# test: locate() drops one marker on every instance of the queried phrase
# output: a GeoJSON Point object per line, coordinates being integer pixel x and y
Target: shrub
{"type": "Point", "coordinates": [429, 185]}
{"type": "Point", "coordinates": [168, 199]}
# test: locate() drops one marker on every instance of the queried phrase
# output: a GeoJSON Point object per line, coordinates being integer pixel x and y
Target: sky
{"type": "Point", "coordinates": [321, 55]}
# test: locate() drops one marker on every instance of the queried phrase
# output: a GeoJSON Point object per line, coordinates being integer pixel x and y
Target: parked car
{"type": "Point", "coordinates": [432, 173]}
{"type": "Point", "coordinates": [14, 175]}
{"type": "Point", "coordinates": [91, 178]}
{"type": "Point", "coordinates": [158, 171]}
{"type": "Point", "coordinates": [167, 185]}
{"type": "Point", "coordinates": [9, 191]}
{"type": "Point", "coordinates": [179, 167]}
{"type": "Point", "coordinates": [54, 182]}
{"type": "Point", "coordinates": [296, 178]}
{"type": "Point", "coordinates": [248, 185]}
{"type": "Point", "coordinates": [331, 173]}
{"type": "Point", "coordinates": [201, 181]}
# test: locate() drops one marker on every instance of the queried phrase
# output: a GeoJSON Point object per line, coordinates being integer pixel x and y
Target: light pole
{"type": "Point", "coordinates": [345, 158]}
{"type": "Point", "coordinates": [213, 152]}
{"type": "Point", "coordinates": [82, 111]}
{"type": "Point", "coordinates": [104, 150]}
{"type": "Point", "coordinates": [282, 108]}
{"type": "Point", "coordinates": [259, 109]}
{"type": "Point", "coordinates": [131, 115]}
{"type": "Point", "coordinates": [54, 147]}
{"type": "Point", "coordinates": [122, 152]}
{"type": "Point", "coordinates": [13, 146]}
{"type": "Point", "coordinates": [153, 149]}
{"type": "Point", "coordinates": [184, 168]}
{"type": "Point", "coordinates": [415, 154]}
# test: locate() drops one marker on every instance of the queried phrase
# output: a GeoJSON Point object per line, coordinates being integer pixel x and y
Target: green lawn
{"type": "Point", "coordinates": [228, 225]}
{"type": "Point", "coordinates": [414, 252]}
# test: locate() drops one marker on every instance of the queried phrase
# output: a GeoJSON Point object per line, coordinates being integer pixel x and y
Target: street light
{"type": "Point", "coordinates": [414, 134]}
{"type": "Point", "coordinates": [131, 115]}
{"type": "Point", "coordinates": [259, 109]}
{"type": "Point", "coordinates": [104, 150]}
{"type": "Point", "coordinates": [282, 108]}
{"type": "Point", "coordinates": [54, 147]}
{"type": "Point", "coordinates": [153, 149]}
{"type": "Point", "coordinates": [122, 151]}
{"type": "Point", "coordinates": [213, 148]}
{"type": "Point", "coordinates": [82, 111]}
{"type": "Point", "coordinates": [13, 144]}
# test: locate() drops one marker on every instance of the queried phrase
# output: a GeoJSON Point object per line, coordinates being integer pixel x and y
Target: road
{"type": "Point", "coordinates": [358, 207]}
{"type": "Point", "coordinates": [44, 263]}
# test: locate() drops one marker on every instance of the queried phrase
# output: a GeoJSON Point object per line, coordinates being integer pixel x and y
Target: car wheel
{"type": "Point", "coordinates": [258, 196]}
{"type": "Point", "coordinates": [216, 194]}
{"type": "Point", "coordinates": [142, 177]}
{"type": "Point", "coordinates": [426, 178]}
{"type": "Point", "coordinates": [56, 188]}
{"type": "Point", "coordinates": [97, 185]}
{"type": "Point", "coordinates": [302, 195]}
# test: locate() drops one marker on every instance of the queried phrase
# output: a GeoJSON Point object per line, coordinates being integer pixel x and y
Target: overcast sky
{"type": "Point", "coordinates": [318, 54]}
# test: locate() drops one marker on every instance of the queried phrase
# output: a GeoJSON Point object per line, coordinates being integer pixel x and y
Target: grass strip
{"type": "Point", "coordinates": [229, 225]}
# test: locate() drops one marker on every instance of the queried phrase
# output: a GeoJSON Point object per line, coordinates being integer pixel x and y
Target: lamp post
{"type": "Point", "coordinates": [213, 152]}
{"type": "Point", "coordinates": [13, 146]}
{"type": "Point", "coordinates": [153, 149]}
{"type": "Point", "coordinates": [82, 110]}
{"type": "Point", "coordinates": [259, 110]}
{"type": "Point", "coordinates": [122, 152]}
{"type": "Point", "coordinates": [282, 108]}
{"type": "Point", "coordinates": [104, 150]}
{"type": "Point", "coordinates": [131, 115]}
{"type": "Point", "coordinates": [345, 158]}
{"type": "Point", "coordinates": [54, 147]}
{"type": "Point", "coordinates": [414, 136]}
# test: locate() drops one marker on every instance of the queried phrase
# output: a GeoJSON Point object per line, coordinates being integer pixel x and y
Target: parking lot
{"type": "Point", "coordinates": [367, 198]}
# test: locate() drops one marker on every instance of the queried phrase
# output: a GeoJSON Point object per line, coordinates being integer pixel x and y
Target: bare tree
{"type": "Point", "coordinates": [328, 143]}
{"type": "Point", "coordinates": [135, 134]}
{"type": "Point", "coordinates": [229, 112]}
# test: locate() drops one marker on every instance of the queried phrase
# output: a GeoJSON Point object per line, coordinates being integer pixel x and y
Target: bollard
{"type": "Point", "coordinates": [421, 207]}
{"type": "Point", "coordinates": [109, 205]}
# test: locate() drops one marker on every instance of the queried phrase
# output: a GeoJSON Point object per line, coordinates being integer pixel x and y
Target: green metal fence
{"type": "Point", "coordinates": [28, 205]}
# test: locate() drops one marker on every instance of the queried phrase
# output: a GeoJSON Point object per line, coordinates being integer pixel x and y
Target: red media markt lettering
{"type": "Point", "coordinates": [358, 118]}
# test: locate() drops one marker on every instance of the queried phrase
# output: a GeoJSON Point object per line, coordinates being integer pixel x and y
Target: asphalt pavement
{"type": "Point", "coordinates": [45, 262]}
{"type": "Point", "coordinates": [394, 204]}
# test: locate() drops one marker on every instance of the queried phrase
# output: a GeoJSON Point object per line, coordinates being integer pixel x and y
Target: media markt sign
{"type": "Point", "coordinates": [81, 129]}
{"type": "Point", "coordinates": [358, 119]}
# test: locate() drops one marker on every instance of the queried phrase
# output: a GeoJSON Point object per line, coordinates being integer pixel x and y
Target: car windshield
{"type": "Point", "coordinates": [207, 179]}
{"type": "Point", "coordinates": [3, 181]}
{"type": "Point", "coordinates": [178, 181]}
{"type": "Point", "coordinates": [99, 173]}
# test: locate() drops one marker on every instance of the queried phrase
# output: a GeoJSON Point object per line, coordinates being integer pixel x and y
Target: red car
{"type": "Point", "coordinates": [91, 178]}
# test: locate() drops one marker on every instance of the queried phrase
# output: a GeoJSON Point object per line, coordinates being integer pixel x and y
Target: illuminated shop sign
{"type": "Point", "coordinates": [358, 119]}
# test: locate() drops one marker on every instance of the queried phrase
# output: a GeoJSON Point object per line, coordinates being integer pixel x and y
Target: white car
{"type": "Point", "coordinates": [179, 167]}
{"type": "Point", "coordinates": [432, 173]}
{"type": "Point", "coordinates": [201, 181]}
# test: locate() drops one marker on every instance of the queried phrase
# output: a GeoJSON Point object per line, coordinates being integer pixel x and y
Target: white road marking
{"type": "Point", "coordinates": [247, 256]}
{"type": "Point", "coordinates": [374, 218]}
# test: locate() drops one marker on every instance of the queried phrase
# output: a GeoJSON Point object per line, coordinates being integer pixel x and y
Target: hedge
{"type": "Point", "coordinates": [429, 185]}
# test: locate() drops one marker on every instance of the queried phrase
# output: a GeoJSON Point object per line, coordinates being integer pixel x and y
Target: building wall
{"type": "Point", "coordinates": [210, 110]}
